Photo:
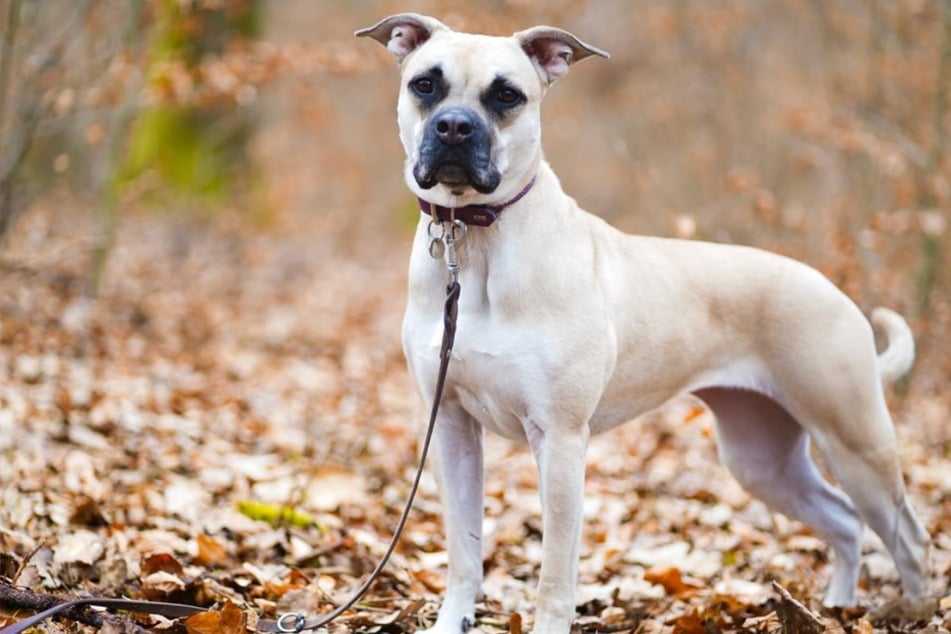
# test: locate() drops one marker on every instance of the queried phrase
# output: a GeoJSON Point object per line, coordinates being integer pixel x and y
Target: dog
{"type": "Point", "coordinates": [568, 327]}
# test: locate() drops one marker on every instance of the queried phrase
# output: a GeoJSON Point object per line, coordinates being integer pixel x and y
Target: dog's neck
{"type": "Point", "coordinates": [474, 215]}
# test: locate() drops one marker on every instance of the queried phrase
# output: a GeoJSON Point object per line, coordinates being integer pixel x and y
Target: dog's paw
{"type": "Point", "coordinates": [464, 625]}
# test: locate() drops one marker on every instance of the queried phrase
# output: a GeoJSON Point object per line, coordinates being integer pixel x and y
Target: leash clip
{"type": "Point", "coordinates": [451, 239]}
{"type": "Point", "coordinates": [443, 238]}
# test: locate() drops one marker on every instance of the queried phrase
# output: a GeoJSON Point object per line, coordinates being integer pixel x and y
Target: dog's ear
{"type": "Point", "coordinates": [402, 33]}
{"type": "Point", "coordinates": [554, 50]}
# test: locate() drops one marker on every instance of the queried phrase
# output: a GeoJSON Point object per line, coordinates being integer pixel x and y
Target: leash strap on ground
{"type": "Point", "coordinates": [169, 610]}
{"type": "Point", "coordinates": [291, 621]}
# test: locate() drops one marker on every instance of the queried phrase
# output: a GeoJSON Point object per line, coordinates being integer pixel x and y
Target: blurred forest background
{"type": "Point", "coordinates": [813, 128]}
{"type": "Point", "coordinates": [203, 226]}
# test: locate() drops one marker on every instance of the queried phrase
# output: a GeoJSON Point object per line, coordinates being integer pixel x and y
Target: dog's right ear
{"type": "Point", "coordinates": [402, 33]}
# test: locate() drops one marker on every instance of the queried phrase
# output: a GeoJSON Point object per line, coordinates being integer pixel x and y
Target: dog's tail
{"type": "Point", "coordinates": [895, 361]}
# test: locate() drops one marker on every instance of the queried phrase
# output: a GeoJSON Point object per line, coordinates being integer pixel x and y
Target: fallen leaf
{"type": "Point", "coordinates": [330, 487]}
{"type": "Point", "coordinates": [400, 615]}
{"type": "Point", "coordinates": [794, 616]}
{"type": "Point", "coordinates": [161, 562]}
{"type": "Point", "coordinates": [864, 627]}
{"type": "Point", "coordinates": [227, 620]}
{"type": "Point", "coordinates": [275, 514]}
{"type": "Point", "coordinates": [670, 579]}
{"type": "Point", "coordinates": [689, 624]}
{"type": "Point", "coordinates": [766, 623]}
{"type": "Point", "coordinates": [211, 552]}
{"type": "Point", "coordinates": [432, 580]}
{"type": "Point", "coordinates": [293, 580]}
{"type": "Point", "coordinates": [515, 623]}
{"type": "Point", "coordinates": [905, 609]}
{"type": "Point", "coordinates": [83, 547]}
{"type": "Point", "coordinates": [87, 512]}
{"type": "Point", "coordinates": [161, 583]}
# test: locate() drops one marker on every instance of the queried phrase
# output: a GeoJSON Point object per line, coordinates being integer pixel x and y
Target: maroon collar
{"type": "Point", "coordinates": [478, 215]}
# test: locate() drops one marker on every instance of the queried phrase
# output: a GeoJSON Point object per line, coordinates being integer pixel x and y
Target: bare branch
{"type": "Point", "coordinates": [6, 52]}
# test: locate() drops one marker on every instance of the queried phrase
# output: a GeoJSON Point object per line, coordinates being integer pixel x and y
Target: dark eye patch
{"type": "Point", "coordinates": [429, 87]}
{"type": "Point", "coordinates": [501, 97]}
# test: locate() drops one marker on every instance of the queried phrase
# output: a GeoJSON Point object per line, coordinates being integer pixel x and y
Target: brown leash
{"type": "Point", "coordinates": [292, 621]}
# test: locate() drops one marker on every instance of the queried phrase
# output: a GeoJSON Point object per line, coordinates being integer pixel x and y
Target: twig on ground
{"type": "Point", "coordinates": [20, 598]}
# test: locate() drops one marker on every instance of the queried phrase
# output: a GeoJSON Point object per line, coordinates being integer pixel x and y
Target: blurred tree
{"type": "Point", "coordinates": [156, 109]}
{"type": "Point", "coordinates": [11, 163]}
{"type": "Point", "coordinates": [190, 142]}
{"type": "Point", "coordinates": [33, 85]}
{"type": "Point", "coordinates": [189, 145]}
{"type": "Point", "coordinates": [930, 271]}
{"type": "Point", "coordinates": [66, 73]}
{"type": "Point", "coordinates": [108, 206]}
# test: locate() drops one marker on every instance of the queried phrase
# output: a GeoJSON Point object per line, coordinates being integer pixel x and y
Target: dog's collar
{"type": "Point", "coordinates": [477, 215]}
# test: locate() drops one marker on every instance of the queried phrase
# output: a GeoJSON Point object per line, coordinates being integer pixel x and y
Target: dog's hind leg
{"type": "Point", "coordinates": [831, 383]}
{"type": "Point", "coordinates": [767, 451]}
{"type": "Point", "coordinates": [864, 460]}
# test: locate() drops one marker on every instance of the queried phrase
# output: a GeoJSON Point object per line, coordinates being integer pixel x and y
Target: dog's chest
{"type": "Point", "coordinates": [493, 385]}
{"type": "Point", "coordinates": [495, 370]}
{"type": "Point", "coordinates": [491, 375]}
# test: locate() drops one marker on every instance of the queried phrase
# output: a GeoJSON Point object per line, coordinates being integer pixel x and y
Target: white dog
{"type": "Point", "coordinates": [568, 327]}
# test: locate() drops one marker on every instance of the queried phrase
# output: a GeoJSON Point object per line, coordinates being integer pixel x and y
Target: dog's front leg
{"type": "Point", "coordinates": [459, 473]}
{"type": "Point", "coordinates": [560, 453]}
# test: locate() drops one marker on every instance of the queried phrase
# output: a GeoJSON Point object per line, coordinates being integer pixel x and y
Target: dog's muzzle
{"type": "Point", "coordinates": [456, 151]}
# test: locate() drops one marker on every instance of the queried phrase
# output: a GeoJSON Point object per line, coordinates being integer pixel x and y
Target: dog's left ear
{"type": "Point", "coordinates": [402, 33]}
{"type": "Point", "coordinates": [554, 50]}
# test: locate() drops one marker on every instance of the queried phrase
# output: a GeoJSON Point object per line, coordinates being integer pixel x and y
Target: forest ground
{"type": "Point", "coordinates": [150, 438]}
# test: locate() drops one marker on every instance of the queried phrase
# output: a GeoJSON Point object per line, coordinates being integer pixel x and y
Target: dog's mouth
{"type": "Point", "coordinates": [456, 175]}
{"type": "Point", "coordinates": [456, 152]}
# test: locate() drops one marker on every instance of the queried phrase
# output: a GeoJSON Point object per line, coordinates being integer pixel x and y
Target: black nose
{"type": "Point", "coordinates": [455, 126]}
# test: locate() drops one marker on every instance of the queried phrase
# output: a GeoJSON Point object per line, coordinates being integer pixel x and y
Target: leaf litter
{"type": "Point", "coordinates": [231, 424]}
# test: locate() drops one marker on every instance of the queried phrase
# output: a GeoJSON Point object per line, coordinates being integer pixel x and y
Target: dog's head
{"type": "Point", "coordinates": [469, 104]}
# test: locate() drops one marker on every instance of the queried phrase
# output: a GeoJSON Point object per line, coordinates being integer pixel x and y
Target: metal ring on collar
{"type": "Point", "coordinates": [432, 234]}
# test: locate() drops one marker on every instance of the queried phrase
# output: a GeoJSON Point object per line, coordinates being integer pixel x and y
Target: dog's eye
{"type": "Point", "coordinates": [423, 86]}
{"type": "Point", "coordinates": [502, 98]}
{"type": "Point", "coordinates": [507, 96]}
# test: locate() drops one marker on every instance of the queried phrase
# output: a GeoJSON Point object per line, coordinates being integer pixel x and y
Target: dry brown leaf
{"type": "Point", "coordinates": [795, 616]}
{"type": "Point", "coordinates": [401, 614]}
{"type": "Point", "coordinates": [211, 552]}
{"type": "Point", "coordinates": [670, 579]}
{"type": "Point", "coordinates": [864, 626]}
{"type": "Point", "coordinates": [229, 619]}
{"type": "Point", "coordinates": [161, 583]}
{"type": "Point", "coordinates": [766, 623]}
{"type": "Point", "coordinates": [332, 486]}
{"type": "Point", "coordinates": [162, 562]}
{"type": "Point", "coordinates": [432, 580]}
{"type": "Point", "coordinates": [293, 580]}
{"type": "Point", "coordinates": [81, 546]}
{"type": "Point", "coordinates": [515, 623]}
{"type": "Point", "coordinates": [728, 602]}
{"type": "Point", "coordinates": [87, 512]}
{"type": "Point", "coordinates": [903, 608]}
{"type": "Point", "coordinates": [689, 624]}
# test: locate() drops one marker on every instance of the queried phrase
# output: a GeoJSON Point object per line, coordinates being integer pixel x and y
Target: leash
{"type": "Point", "coordinates": [297, 621]}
